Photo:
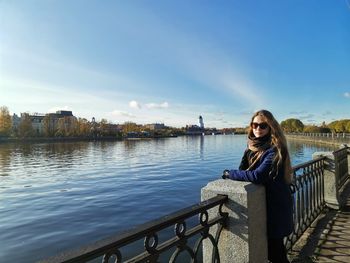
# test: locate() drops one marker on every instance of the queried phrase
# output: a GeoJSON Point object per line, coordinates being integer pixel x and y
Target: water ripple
{"type": "Point", "coordinates": [58, 195]}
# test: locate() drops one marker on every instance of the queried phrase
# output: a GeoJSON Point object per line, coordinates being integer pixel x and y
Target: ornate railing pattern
{"type": "Point", "coordinates": [341, 162]}
{"type": "Point", "coordinates": [111, 248]}
{"type": "Point", "coordinates": [308, 196]}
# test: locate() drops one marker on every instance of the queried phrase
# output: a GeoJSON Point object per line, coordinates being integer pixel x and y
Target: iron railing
{"type": "Point", "coordinates": [111, 249]}
{"type": "Point", "coordinates": [341, 165]}
{"type": "Point", "coordinates": [333, 138]}
{"type": "Point", "coordinates": [308, 196]}
{"type": "Point", "coordinates": [340, 135]}
{"type": "Point", "coordinates": [308, 189]}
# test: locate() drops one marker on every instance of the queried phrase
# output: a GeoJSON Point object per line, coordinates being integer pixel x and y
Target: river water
{"type": "Point", "coordinates": [55, 196]}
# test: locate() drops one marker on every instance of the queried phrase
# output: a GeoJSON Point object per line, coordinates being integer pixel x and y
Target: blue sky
{"type": "Point", "coordinates": [167, 61]}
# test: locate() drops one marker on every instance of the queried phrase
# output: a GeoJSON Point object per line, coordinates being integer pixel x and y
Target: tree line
{"type": "Point", "coordinates": [296, 125]}
{"type": "Point", "coordinates": [70, 126]}
{"type": "Point", "coordinates": [67, 126]}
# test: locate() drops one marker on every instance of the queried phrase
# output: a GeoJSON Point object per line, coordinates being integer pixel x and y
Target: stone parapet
{"type": "Point", "coordinates": [331, 194]}
{"type": "Point", "coordinates": [244, 239]}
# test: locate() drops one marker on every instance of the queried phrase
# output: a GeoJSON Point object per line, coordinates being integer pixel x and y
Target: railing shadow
{"type": "Point", "coordinates": [334, 242]}
{"type": "Point", "coordinates": [306, 246]}
{"type": "Point", "coordinates": [328, 238]}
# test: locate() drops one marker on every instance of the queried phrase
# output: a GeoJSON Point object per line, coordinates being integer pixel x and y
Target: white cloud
{"type": "Point", "coordinates": [118, 113]}
{"type": "Point", "coordinates": [163, 105]}
{"type": "Point", "coordinates": [347, 94]}
{"type": "Point", "coordinates": [134, 104]}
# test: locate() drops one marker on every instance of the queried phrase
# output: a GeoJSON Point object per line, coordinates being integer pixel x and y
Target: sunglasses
{"type": "Point", "coordinates": [262, 125]}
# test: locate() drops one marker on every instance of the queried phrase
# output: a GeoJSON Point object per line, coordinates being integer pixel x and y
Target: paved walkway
{"type": "Point", "coordinates": [327, 240]}
{"type": "Point", "coordinates": [334, 244]}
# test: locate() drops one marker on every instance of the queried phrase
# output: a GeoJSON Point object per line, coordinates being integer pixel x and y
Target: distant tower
{"type": "Point", "coordinates": [201, 123]}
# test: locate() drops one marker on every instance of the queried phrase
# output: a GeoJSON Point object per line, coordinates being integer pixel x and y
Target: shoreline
{"type": "Point", "coordinates": [313, 139]}
{"type": "Point", "coordinates": [48, 140]}
{"type": "Point", "coordinates": [74, 139]}
{"type": "Point", "coordinates": [320, 140]}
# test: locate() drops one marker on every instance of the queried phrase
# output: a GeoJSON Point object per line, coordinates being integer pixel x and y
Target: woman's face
{"type": "Point", "coordinates": [260, 127]}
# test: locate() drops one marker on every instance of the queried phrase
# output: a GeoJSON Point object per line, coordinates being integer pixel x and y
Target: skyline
{"type": "Point", "coordinates": [171, 61]}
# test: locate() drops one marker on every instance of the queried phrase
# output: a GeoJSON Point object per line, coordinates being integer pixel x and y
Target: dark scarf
{"type": "Point", "coordinates": [257, 146]}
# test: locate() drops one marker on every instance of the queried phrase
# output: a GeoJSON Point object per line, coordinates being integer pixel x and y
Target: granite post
{"type": "Point", "coordinates": [244, 239]}
{"type": "Point", "coordinates": [344, 145]}
{"type": "Point", "coordinates": [331, 177]}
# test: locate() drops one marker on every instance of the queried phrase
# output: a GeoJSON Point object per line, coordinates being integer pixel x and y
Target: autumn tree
{"type": "Point", "coordinates": [5, 121]}
{"type": "Point", "coordinates": [130, 127]}
{"type": "Point", "coordinates": [72, 126]}
{"type": "Point", "coordinates": [292, 125]}
{"type": "Point", "coordinates": [316, 129]}
{"type": "Point", "coordinates": [348, 127]}
{"type": "Point", "coordinates": [66, 126]}
{"type": "Point", "coordinates": [25, 128]}
{"type": "Point", "coordinates": [340, 125]}
{"type": "Point", "coordinates": [83, 127]}
{"type": "Point", "coordinates": [103, 127]}
{"type": "Point", "coordinates": [49, 125]}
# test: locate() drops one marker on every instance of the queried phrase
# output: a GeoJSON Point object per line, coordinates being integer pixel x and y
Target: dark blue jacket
{"type": "Point", "coordinates": [279, 200]}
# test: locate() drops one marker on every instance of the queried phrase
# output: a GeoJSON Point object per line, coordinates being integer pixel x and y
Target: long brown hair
{"type": "Point", "coordinates": [278, 140]}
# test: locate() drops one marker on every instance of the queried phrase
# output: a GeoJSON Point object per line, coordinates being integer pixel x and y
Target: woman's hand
{"type": "Point", "coordinates": [225, 174]}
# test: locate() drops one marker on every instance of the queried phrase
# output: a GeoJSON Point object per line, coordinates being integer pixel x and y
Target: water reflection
{"type": "Point", "coordinates": [130, 145]}
{"type": "Point", "coordinates": [296, 149]}
{"type": "Point", "coordinates": [65, 155]}
{"type": "Point", "coordinates": [301, 149]}
{"type": "Point", "coordinates": [201, 147]}
{"type": "Point", "coordinates": [5, 159]}
{"type": "Point", "coordinates": [196, 142]}
{"type": "Point", "coordinates": [64, 149]}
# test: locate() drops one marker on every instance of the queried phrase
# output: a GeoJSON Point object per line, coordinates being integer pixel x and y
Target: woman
{"type": "Point", "coordinates": [266, 161]}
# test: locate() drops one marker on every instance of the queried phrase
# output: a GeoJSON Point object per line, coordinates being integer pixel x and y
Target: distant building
{"type": "Point", "coordinates": [109, 129]}
{"type": "Point", "coordinates": [53, 119]}
{"type": "Point", "coordinates": [196, 129]}
{"type": "Point", "coordinates": [60, 114]}
{"type": "Point", "coordinates": [15, 122]}
{"type": "Point", "coordinates": [37, 120]}
{"type": "Point", "coordinates": [155, 126]}
{"type": "Point", "coordinates": [64, 113]}
{"type": "Point", "coordinates": [201, 123]}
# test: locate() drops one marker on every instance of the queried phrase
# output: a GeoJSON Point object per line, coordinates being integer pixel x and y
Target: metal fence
{"type": "Point", "coordinates": [341, 135]}
{"type": "Point", "coordinates": [341, 165]}
{"type": "Point", "coordinates": [308, 189]}
{"type": "Point", "coordinates": [308, 196]}
{"type": "Point", "coordinates": [111, 249]}
{"type": "Point", "coordinates": [328, 138]}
